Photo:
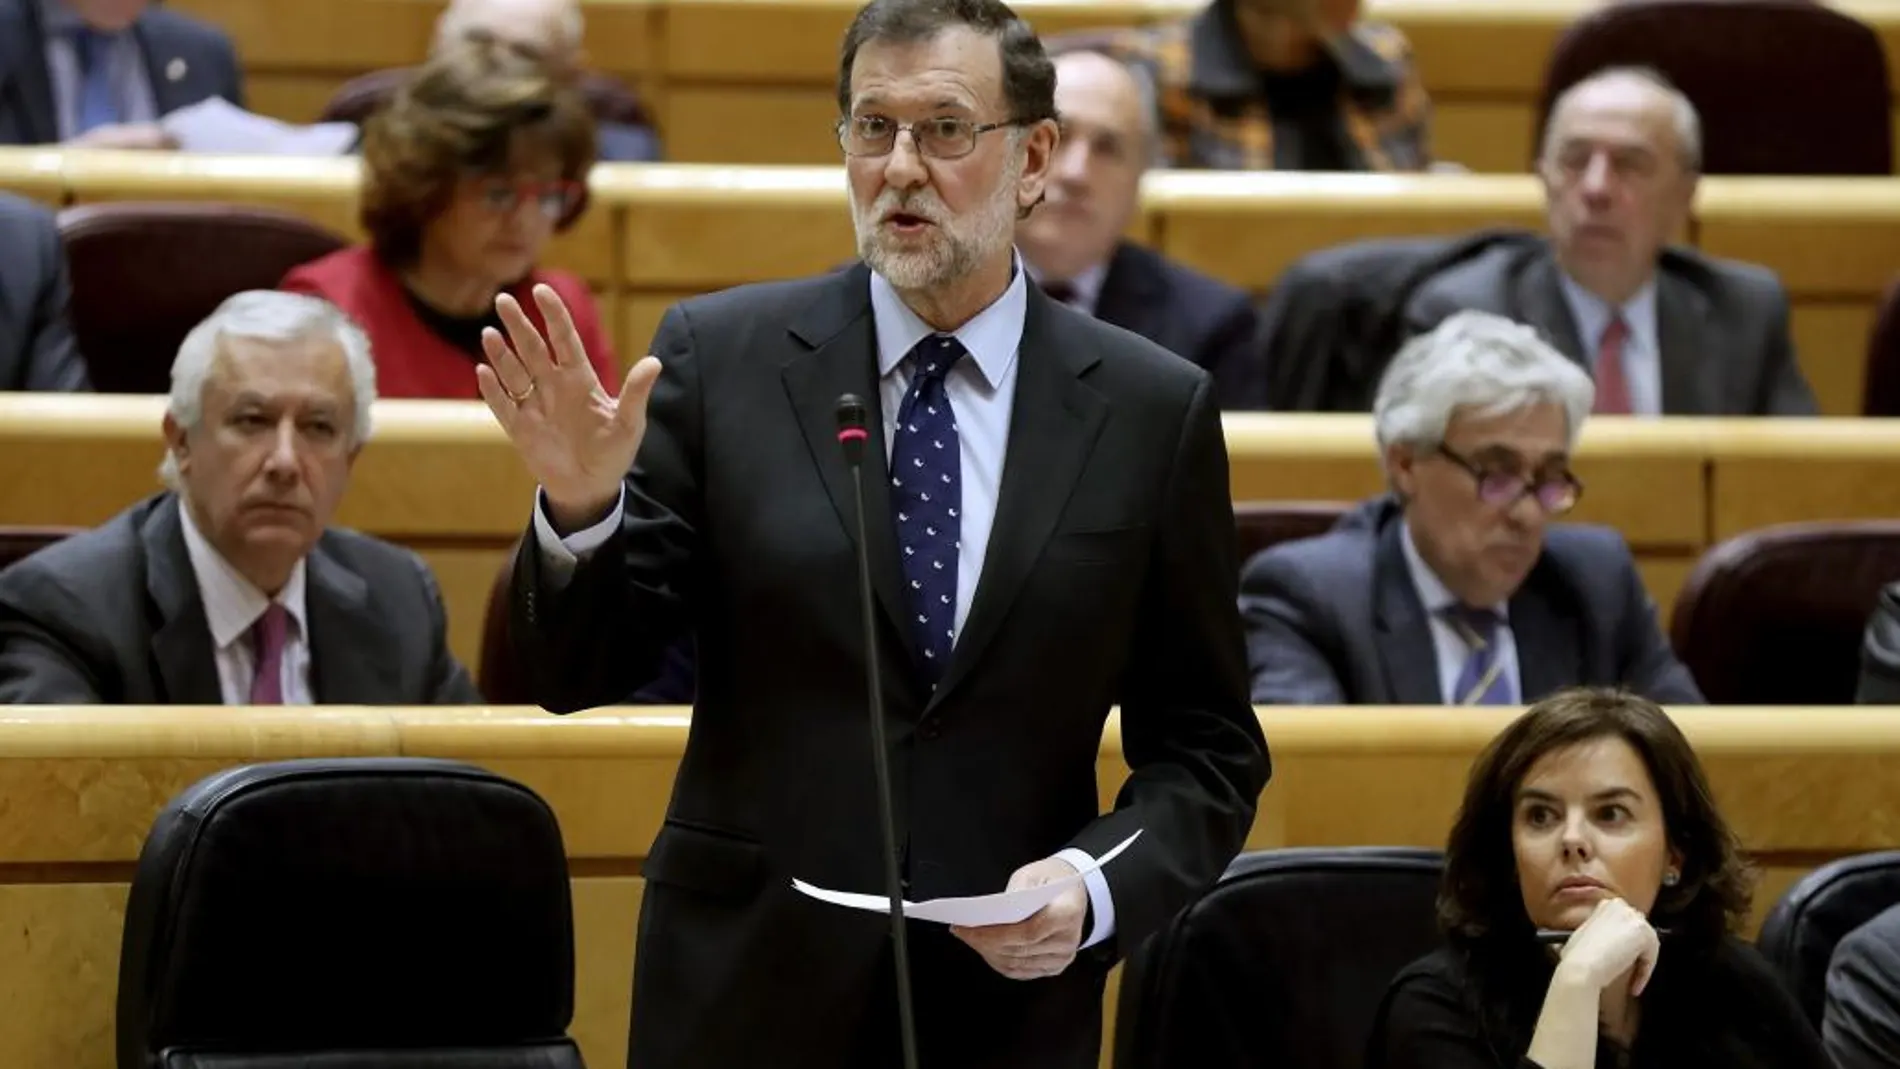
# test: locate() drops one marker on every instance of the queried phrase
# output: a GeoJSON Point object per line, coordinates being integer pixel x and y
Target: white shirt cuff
{"type": "Point", "coordinates": [560, 556]}
{"type": "Point", "coordinates": [1100, 901]}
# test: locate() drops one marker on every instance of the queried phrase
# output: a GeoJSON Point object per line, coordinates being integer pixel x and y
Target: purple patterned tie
{"type": "Point", "coordinates": [267, 639]}
{"type": "Point", "coordinates": [1482, 682]}
{"type": "Point", "coordinates": [927, 499]}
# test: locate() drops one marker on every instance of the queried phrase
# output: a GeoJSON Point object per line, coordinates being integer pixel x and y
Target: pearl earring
{"type": "Point", "coordinates": [1670, 878]}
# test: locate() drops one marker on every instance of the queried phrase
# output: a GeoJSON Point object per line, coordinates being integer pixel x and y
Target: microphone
{"type": "Point", "coordinates": [852, 434]}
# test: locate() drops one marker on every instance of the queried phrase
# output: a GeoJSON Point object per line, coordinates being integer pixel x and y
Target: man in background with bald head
{"type": "Point", "coordinates": [1663, 329]}
{"type": "Point", "coordinates": [551, 32]}
{"type": "Point", "coordinates": [1075, 247]}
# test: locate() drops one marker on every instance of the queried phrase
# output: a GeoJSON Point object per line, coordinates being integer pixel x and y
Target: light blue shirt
{"type": "Point", "coordinates": [1642, 351]}
{"type": "Point", "coordinates": [1451, 649]}
{"type": "Point", "coordinates": [124, 60]}
{"type": "Point", "coordinates": [982, 390]}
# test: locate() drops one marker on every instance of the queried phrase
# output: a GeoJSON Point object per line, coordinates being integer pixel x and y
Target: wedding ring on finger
{"type": "Point", "coordinates": [522, 397]}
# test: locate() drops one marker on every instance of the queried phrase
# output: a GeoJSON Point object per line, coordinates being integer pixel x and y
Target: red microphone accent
{"type": "Point", "coordinates": [852, 434]}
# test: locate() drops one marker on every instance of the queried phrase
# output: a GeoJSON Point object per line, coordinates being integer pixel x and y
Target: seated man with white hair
{"type": "Point", "coordinates": [1456, 588]}
{"type": "Point", "coordinates": [232, 587]}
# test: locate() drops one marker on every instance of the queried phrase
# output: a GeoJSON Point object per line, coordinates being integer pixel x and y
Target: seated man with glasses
{"type": "Point", "coordinates": [1456, 588]}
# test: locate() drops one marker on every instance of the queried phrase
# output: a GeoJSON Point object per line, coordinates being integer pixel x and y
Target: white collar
{"type": "Point", "coordinates": [1432, 591]}
{"type": "Point", "coordinates": [232, 603]}
{"type": "Point", "coordinates": [991, 337]}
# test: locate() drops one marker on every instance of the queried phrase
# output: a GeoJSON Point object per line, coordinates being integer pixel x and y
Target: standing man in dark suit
{"type": "Point", "coordinates": [1664, 330]}
{"type": "Point", "coordinates": [1054, 538]}
{"type": "Point", "coordinates": [1074, 246]}
{"type": "Point", "coordinates": [1457, 589]}
{"type": "Point", "coordinates": [101, 73]}
{"type": "Point", "coordinates": [232, 588]}
{"type": "Point", "coordinates": [36, 339]}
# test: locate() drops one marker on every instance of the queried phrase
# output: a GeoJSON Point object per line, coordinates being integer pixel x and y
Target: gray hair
{"type": "Point", "coordinates": [270, 316]}
{"type": "Point", "coordinates": [1481, 362]}
{"type": "Point", "coordinates": [1683, 115]}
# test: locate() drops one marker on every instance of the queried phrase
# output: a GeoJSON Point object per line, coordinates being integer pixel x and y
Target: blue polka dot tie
{"type": "Point", "coordinates": [927, 499]}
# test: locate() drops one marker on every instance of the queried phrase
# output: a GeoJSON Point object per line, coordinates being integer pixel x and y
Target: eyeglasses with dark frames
{"type": "Point", "coordinates": [942, 138]}
{"type": "Point", "coordinates": [1555, 493]}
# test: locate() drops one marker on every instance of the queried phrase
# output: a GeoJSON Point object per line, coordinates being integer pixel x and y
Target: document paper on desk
{"type": "Point", "coordinates": [1006, 907]}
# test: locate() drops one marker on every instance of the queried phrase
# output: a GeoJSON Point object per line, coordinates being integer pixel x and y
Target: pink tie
{"type": "Point", "coordinates": [267, 636]}
{"type": "Point", "coordinates": [1613, 390]}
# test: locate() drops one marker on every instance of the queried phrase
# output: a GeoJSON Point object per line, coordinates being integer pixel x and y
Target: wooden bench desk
{"type": "Point", "coordinates": [1800, 786]}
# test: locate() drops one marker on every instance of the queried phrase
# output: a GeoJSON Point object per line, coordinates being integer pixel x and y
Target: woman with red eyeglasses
{"type": "Point", "coordinates": [470, 170]}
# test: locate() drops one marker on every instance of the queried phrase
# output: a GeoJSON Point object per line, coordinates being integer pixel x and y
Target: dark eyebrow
{"type": "Point", "coordinates": [1612, 794]}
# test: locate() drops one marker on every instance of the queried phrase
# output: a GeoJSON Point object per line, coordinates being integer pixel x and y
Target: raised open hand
{"type": "Point", "coordinates": [576, 440]}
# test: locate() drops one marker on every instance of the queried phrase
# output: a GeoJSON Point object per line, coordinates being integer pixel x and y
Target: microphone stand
{"type": "Point", "coordinates": [852, 434]}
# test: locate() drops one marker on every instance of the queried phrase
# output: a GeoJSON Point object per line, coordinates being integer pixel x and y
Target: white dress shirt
{"type": "Point", "coordinates": [232, 606]}
{"type": "Point", "coordinates": [982, 390]}
{"type": "Point", "coordinates": [1451, 648]}
{"type": "Point", "coordinates": [1642, 349]}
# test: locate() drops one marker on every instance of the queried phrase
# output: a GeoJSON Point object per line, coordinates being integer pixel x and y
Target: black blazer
{"type": "Point", "coordinates": [188, 60]}
{"type": "Point", "coordinates": [1722, 324]}
{"type": "Point", "coordinates": [37, 351]}
{"type": "Point", "coordinates": [1109, 580]}
{"type": "Point", "coordinates": [112, 616]}
{"type": "Point", "coordinates": [1723, 1009]}
{"type": "Point", "coordinates": [1189, 314]}
{"type": "Point", "coordinates": [1336, 620]}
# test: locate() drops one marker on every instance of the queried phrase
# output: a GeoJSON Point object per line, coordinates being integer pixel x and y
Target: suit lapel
{"type": "Point", "coordinates": [841, 359]}
{"type": "Point", "coordinates": [23, 63]}
{"type": "Point", "coordinates": [1406, 650]}
{"type": "Point", "coordinates": [1549, 655]}
{"type": "Point", "coordinates": [353, 655]}
{"type": "Point", "coordinates": [1539, 300]}
{"type": "Point", "coordinates": [1691, 368]}
{"type": "Point", "coordinates": [181, 645]}
{"type": "Point", "coordinates": [168, 93]}
{"type": "Point", "coordinates": [1053, 424]}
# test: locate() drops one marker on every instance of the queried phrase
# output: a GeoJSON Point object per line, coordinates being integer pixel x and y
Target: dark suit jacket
{"type": "Point", "coordinates": [1723, 325]}
{"type": "Point", "coordinates": [1860, 1022]}
{"type": "Point", "coordinates": [1109, 579]}
{"type": "Point", "coordinates": [201, 52]}
{"type": "Point", "coordinates": [36, 340]}
{"type": "Point", "coordinates": [1336, 620]}
{"type": "Point", "coordinates": [112, 616]}
{"type": "Point", "coordinates": [1189, 314]}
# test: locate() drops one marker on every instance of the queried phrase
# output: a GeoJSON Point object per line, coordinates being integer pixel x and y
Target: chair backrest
{"type": "Point", "coordinates": [1265, 524]}
{"type": "Point", "coordinates": [19, 543]}
{"type": "Point", "coordinates": [395, 913]}
{"type": "Point", "coordinates": [1799, 934]}
{"type": "Point", "coordinates": [145, 273]}
{"type": "Point", "coordinates": [1776, 616]}
{"type": "Point", "coordinates": [1880, 395]}
{"type": "Point", "coordinates": [1282, 964]}
{"type": "Point", "coordinates": [1782, 86]}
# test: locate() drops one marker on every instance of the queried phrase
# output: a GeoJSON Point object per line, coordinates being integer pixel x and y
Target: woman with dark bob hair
{"type": "Point", "coordinates": [467, 173]}
{"type": "Point", "coordinates": [1589, 904]}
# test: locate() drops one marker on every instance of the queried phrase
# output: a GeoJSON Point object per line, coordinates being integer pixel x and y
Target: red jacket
{"type": "Point", "coordinates": [411, 359]}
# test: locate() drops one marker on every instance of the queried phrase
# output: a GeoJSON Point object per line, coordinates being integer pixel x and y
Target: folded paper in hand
{"type": "Point", "coordinates": [1007, 907]}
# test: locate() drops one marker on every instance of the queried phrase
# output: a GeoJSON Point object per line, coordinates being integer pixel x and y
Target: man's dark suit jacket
{"type": "Point", "coordinates": [1189, 314]}
{"type": "Point", "coordinates": [1722, 325]}
{"type": "Point", "coordinates": [1109, 579]}
{"type": "Point", "coordinates": [1336, 620]}
{"type": "Point", "coordinates": [37, 351]}
{"type": "Point", "coordinates": [113, 616]}
{"type": "Point", "coordinates": [170, 40]}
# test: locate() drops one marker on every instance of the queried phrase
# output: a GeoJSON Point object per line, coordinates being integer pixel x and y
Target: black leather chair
{"type": "Point", "coordinates": [1283, 963]}
{"type": "Point", "coordinates": [395, 913]}
{"type": "Point", "coordinates": [1799, 934]}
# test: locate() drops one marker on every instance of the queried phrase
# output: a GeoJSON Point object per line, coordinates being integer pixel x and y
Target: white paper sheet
{"type": "Point", "coordinates": [1005, 907]}
{"type": "Point", "coordinates": [216, 125]}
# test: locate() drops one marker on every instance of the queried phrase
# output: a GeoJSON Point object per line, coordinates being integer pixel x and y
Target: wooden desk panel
{"type": "Point", "coordinates": [691, 228]}
{"type": "Point", "coordinates": [1800, 786]}
{"type": "Point", "coordinates": [35, 174]}
{"type": "Point", "coordinates": [1245, 228]}
{"type": "Point", "coordinates": [1786, 471]}
{"type": "Point", "coordinates": [1828, 238]}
